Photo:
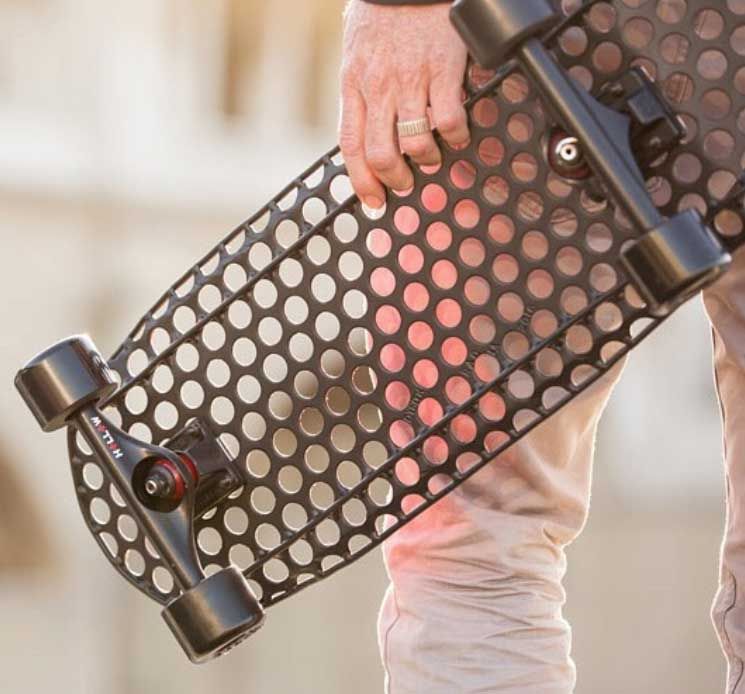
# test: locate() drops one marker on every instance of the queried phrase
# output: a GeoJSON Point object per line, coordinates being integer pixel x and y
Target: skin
{"type": "Point", "coordinates": [399, 63]}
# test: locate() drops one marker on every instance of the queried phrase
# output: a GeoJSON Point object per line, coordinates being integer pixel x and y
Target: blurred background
{"type": "Point", "coordinates": [132, 137]}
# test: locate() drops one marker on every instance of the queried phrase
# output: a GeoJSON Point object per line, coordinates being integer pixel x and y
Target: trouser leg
{"type": "Point", "coordinates": [725, 304]}
{"type": "Point", "coordinates": [475, 601]}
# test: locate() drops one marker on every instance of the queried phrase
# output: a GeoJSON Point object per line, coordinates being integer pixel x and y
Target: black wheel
{"type": "Point", "coordinates": [494, 29]}
{"type": "Point", "coordinates": [214, 616]}
{"type": "Point", "coordinates": [672, 262]}
{"type": "Point", "coordinates": [61, 380]}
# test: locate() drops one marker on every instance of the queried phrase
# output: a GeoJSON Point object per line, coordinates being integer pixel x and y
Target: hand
{"type": "Point", "coordinates": [397, 61]}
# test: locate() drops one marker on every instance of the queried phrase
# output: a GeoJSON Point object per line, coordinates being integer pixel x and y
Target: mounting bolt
{"type": "Point", "coordinates": [569, 151]}
{"type": "Point", "coordinates": [161, 483]}
{"type": "Point", "coordinates": [566, 157]}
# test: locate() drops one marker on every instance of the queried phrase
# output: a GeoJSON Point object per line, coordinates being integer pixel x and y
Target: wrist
{"type": "Point", "coordinates": [406, 2]}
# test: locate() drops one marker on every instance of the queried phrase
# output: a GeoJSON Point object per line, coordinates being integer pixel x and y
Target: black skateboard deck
{"type": "Point", "coordinates": [331, 375]}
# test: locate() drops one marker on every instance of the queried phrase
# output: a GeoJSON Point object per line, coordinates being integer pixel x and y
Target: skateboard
{"type": "Point", "coordinates": [323, 375]}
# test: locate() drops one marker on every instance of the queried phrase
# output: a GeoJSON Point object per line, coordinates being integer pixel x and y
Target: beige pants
{"type": "Point", "coordinates": [475, 601]}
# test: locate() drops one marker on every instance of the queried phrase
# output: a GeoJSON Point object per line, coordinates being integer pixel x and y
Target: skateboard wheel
{"type": "Point", "coordinates": [60, 381]}
{"type": "Point", "coordinates": [672, 262]}
{"type": "Point", "coordinates": [494, 29]}
{"type": "Point", "coordinates": [215, 615]}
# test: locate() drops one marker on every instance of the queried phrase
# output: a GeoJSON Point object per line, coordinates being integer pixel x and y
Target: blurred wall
{"type": "Point", "coordinates": [134, 135]}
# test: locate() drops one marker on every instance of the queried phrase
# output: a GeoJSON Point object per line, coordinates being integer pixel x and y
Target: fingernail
{"type": "Point", "coordinates": [373, 208]}
{"type": "Point", "coordinates": [372, 202]}
{"type": "Point", "coordinates": [462, 145]}
{"type": "Point", "coordinates": [404, 192]}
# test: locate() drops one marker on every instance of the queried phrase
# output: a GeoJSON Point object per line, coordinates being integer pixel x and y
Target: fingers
{"type": "Point", "coordinates": [381, 146]}
{"type": "Point", "coordinates": [372, 150]}
{"type": "Point", "coordinates": [422, 148]}
{"type": "Point", "coordinates": [352, 144]}
{"type": "Point", "coordinates": [448, 112]}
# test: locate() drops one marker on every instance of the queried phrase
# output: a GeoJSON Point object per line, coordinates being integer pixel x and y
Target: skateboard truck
{"type": "Point", "coordinates": [672, 258]}
{"type": "Point", "coordinates": [64, 386]}
{"type": "Point", "coordinates": [654, 130]}
{"type": "Point", "coordinates": [216, 475]}
{"type": "Point", "coordinates": [161, 486]}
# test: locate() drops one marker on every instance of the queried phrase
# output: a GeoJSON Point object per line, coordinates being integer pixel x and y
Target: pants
{"type": "Point", "coordinates": [475, 601]}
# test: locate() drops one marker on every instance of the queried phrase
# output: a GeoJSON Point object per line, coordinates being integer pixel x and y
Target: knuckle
{"type": "Point", "coordinates": [381, 160]}
{"type": "Point", "coordinates": [418, 148]}
{"type": "Point", "coordinates": [363, 187]}
{"type": "Point", "coordinates": [362, 182]}
{"type": "Point", "coordinates": [374, 91]}
{"type": "Point", "coordinates": [411, 79]}
{"type": "Point", "coordinates": [349, 142]}
{"type": "Point", "coordinates": [450, 121]}
{"type": "Point", "coordinates": [377, 84]}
